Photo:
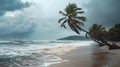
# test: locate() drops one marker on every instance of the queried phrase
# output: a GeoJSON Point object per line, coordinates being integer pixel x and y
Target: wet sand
{"type": "Point", "coordinates": [90, 56]}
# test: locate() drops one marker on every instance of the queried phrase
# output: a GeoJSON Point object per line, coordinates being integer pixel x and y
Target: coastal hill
{"type": "Point", "coordinates": [74, 37]}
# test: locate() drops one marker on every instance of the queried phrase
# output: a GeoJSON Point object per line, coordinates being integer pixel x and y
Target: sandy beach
{"type": "Point", "coordinates": [86, 56]}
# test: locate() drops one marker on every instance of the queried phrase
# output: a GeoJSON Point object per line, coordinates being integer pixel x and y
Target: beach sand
{"type": "Point", "coordinates": [86, 56]}
{"type": "Point", "coordinates": [59, 50]}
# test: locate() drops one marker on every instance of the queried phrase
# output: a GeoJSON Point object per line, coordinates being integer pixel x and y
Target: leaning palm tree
{"type": "Point", "coordinates": [98, 34]}
{"type": "Point", "coordinates": [71, 16]}
{"type": "Point", "coordinates": [95, 31]}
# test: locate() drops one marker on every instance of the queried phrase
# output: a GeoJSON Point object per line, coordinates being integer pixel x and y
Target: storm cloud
{"type": "Point", "coordinates": [106, 12]}
{"type": "Point", "coordinates": [13, 22]}
{"type": "Point", "coordinates": [12, 5]}
{"type": "Point", "coordinates": [21, 19]}
{"type": "Point", "coordinates": [18, 27]}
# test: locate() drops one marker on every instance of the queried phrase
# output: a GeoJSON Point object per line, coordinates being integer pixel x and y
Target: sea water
{"type": "Point", "coordinates": [27, 53]}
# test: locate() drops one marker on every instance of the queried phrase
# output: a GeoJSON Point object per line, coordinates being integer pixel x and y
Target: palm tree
{"type": "Point", "coordinates": [75, 22]}
{"type": "Point", "coordinates": [71, 16]}
{"type": "Point", "coordinates": [98, 34]}
{"type": "Point", "coordinates": [96, 28]}
{"type": "Point", "coordinates": [95, 33]}
{"type": "Point", "coordinates": [117, 26]}
{"type": "Point", "coordinates": [114, 33]}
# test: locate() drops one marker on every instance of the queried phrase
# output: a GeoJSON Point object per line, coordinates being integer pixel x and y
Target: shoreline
{"type": "Point", "coordinates": [63, 49]}
{"type": "Point", "coordinates": [89, 56]}
{"type": "Point", "coordinates": [57, 52]}
{"type": "Point", "coordinates": [71, 58]}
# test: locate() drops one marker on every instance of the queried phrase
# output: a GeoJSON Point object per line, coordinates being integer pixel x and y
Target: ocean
{"type": "Point", "coordinates": [28, 53]}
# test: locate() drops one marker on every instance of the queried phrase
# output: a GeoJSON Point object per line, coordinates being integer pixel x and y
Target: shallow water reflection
{"type": "Point", "coordinates": [102, 58]}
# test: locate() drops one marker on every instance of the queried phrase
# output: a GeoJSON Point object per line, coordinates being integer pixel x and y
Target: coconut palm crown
{"type": "Point", "coordinates": [70, 16]}
{"type": "Point", "coordinates": [96, 28]}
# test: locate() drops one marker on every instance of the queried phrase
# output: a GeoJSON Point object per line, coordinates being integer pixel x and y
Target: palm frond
{"type": "Point", "coordinates": [74, 26]}
{"type": "Point", "coordinates": [70, 9]}
{"type": "Point", "coordinates": [62, 13]}
{"type": "Point", "coordinates": [80, 23]}
{"type": "Point", "coordinates": [61, 19]}
{"type": "Point", "coordinates": [63, 24]}
{"type": "Point", "coordinates": [86, 35]}
{"type": "Point", "coordinates": [81, 18]}
{"type": "Point", "coordinates": [76, 29]}
{"type": "Point", "coordinates": [80, 12]}
{"type": "Point", "coordinates": [96, 28]}
{"type": "Point", "coordinates": [77, 26]}
{"type": "Point", "coordinates": [78, 9]}
{"type": "Point", "coordinates": [70, 26]}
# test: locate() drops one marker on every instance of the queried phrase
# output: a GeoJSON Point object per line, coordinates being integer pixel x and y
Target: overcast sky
{"type": "Point", "coordinates": [37, 19]}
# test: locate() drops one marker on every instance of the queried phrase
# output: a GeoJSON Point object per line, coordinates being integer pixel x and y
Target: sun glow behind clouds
{"type": "Point", "coordinates": [12, 14]}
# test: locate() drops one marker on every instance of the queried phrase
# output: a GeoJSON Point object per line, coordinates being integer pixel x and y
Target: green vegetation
{"type": "Point", "coordinates": [74, 37]}
{"type": "Point", "coordinates": [95, 32]}
{"type": "Point", "coordinates": [98, 33]}
{"type": "Point", "coordinates": [114, 33]}
{"type": "Point", "coordinates": [96, 28]}
{"type": "Point", "coordinates": [71, 17]}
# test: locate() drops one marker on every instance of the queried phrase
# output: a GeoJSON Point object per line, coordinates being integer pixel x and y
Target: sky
{"type": "Point", "coordinates": [38, 19]}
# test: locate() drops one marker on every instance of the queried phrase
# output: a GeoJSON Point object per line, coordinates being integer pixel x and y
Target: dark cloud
{"type": "Point", "coordinates": [106, 12]}
{"type": "Point", "coordinates": [19, 27]}
{"type": "Point", "coordinates": [12, 5]}
{"type": "Point", "coordinates": [16, 35]}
